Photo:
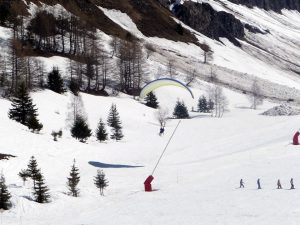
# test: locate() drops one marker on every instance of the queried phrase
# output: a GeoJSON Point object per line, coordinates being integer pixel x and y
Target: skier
{"type": "Point", "coordinates": [279, 184]}
{"type": "Point", "coordinates": [161, 131]}
{"type": "Point", "coordinates": [292, 183]}
{"type": "Point", "coordinates": [258, 184]}
{"type": "Point", "coordinates": [242, 183]}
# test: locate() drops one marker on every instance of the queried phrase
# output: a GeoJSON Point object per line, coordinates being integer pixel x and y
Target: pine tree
{"type": "Point", "coordinates": [151, 100]}
{"type": "Point", "coordinates": [24, 175]}
{"type": "Point", "coordinates": [5, 196]}
{"type": "Point", "coordinates": [202, 104]}
{"type": "Point", "coordinates": [55, 82]}
{"type": "Point", "coordinates": [80, 129]}
{"type": "Point", "coordinates": [180, 110]}
{"type": "Point", "coordinates": [101, 131]}
{"type": "Point", "coordinates": [34, 124]}
{"type": "Point", "coordinates": [100, 181]}
{"type": "Point", "coordinates": [33, 171]}
{"type": "Point", "coordinates": [22, 106]}
{"type": "Point", "coordinates": [211, 105]}
{"type": "Point", "coordinates": [73, 180]}
{"type": "Point", "coordinates": [40, 190]}
{"type": "Point", "coordinates": [74, 87]}
{"type": "Point", "coordinates": [114, 122]}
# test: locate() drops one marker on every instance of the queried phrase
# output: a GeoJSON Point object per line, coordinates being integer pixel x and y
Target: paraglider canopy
{"type": "Point", "coordinates": [160, 83]}
{"type": "Point", "coordinates": [296, 138]}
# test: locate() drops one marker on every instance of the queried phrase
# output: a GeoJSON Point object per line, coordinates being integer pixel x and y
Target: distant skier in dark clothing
{"type": "Point", "coordinates": [292, 183]}
{"type": "Point", "coordinates": [258, 184]}
{"type": "Point", "coordinates": [242, 183]}
{"type": "Point", "coordinates": [161, 131]}
{"type": "Point", "coordinates": [279, 184]}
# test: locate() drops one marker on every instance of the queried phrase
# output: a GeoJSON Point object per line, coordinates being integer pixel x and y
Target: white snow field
{"type": "Point", "coordinates": [197, 180]}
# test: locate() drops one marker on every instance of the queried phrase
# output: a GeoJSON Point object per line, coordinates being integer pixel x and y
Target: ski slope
{"type": "Point", "coordinates": [196, 181]}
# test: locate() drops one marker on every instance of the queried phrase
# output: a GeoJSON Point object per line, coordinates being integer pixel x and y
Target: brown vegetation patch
{"type": "Point", "coordinates": [152, 19]}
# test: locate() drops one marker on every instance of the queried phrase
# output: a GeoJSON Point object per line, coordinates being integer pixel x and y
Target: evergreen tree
{"type": "Point", "coordinates": [74, 87]}
{"type": "Point", "coordinates": [24, 175]}
{"type": "Point", "coordinates": [80, 129]}
{"type": "Point", "coordinates": [22, 106]}
{"type": "Point", "coordinates": [202, 104]}
{"type": "Point", "coordinates": [101, 131]}
{"type": "Point", "coordinates": [114, 122]}
{"type": "Point", "coordinates": [55, 82]}
{"type": "Point", "coordinates": [73, 180]}
{"type": "Point", "coordinates": [34, 124]}
{"type": "Point", "coordinates": [4, 195]}
{"type": "Point", "coordinates": [211, 105]}
{"type": "Point", "coordinates": [151, 100]}
{"type": "Point", "coordinates": [40, 190]}
{"type": "Point", "coordinates": [100, 181]}
{"type": "Point", "coordinates": [33, 171]}
{"type": "Point", "coordinates": [180, 110]}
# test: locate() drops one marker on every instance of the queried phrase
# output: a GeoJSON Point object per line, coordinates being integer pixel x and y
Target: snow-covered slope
{"type": "Point", "coordinates": [273, 56]}
{"type": "Point", "coordinates": [197, 179]}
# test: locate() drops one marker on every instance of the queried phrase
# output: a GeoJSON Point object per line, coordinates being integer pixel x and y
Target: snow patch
{"type": "Point", "coordinates": [123, 20]}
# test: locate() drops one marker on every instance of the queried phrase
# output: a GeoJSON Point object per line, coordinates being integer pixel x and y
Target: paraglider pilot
{"type": "Point", "coordinates": [292, 183]}
{"type": "Point", "coordinates": [242, 183]}
{"type": "Point", "coordinates": [258, 184]}
{"type": "Point", "coordinates": [161, 131]}
{"type": "Point", "coordinates": [279, 184]}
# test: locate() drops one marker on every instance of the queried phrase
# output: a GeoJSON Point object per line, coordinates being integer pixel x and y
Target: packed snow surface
{"type": "Point", "coordinates": [197, 180]}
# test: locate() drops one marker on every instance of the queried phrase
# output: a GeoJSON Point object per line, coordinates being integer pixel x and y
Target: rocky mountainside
{"type": "Point", "coordinates": [206, 20]}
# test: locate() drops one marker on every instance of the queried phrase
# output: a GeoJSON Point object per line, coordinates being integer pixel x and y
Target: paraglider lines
{"type": "Point", "coordinates": [165, 148]}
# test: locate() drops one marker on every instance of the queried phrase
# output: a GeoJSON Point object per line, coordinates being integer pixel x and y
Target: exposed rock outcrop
{"type": "Point", "coordinates": [203, 18]}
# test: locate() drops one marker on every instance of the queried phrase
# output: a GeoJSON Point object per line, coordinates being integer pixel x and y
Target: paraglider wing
{"type": "Point", "coordinates": [160, 83]}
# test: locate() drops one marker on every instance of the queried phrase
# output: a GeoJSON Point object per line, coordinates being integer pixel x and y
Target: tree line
{"type": "Point", "coordinates": [91, 66]}
{"type": "Point", "coordinates": [25, 112]}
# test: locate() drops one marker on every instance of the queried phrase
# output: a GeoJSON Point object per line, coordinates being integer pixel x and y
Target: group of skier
{"type": "Point", "coordinates": [242, 184]}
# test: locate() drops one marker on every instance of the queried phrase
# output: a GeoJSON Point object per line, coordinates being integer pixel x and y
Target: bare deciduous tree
{"type": "Point", "coordinates": [219, 99]}
{"type": "Point", "coordinates": [159, 72]}
{"type": "Point", "coordinates": [212, 76]}
{"type": "Point", "coordinates": [255, 97]}
{"type": "Point", "coordinates": [208, 53]}
{"type": "Point", "coordinates": [161, 116]}
{"type": "Point", "coordinates": [170, 68]}
{"type": "Point", "coordinates": [75, 109]}
{"type": "Point", "coordinates": [114, 45]}
{"type": "Point", "coordinates": [190, 77]}
{"type": "Point", "coordinates": [131, 65]}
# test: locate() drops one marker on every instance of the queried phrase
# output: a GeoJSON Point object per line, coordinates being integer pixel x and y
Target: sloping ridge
{"type": "Point", "coordinates": [151, 19]}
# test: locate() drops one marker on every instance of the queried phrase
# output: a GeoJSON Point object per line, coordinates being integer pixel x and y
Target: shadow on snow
{"type": "Point", "coordinates": [116, 166]}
